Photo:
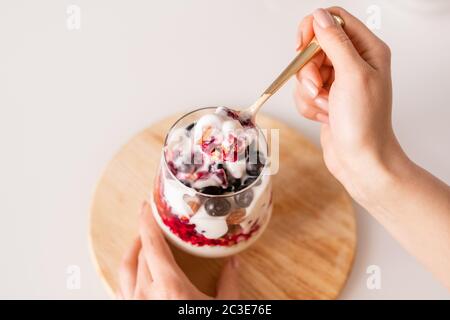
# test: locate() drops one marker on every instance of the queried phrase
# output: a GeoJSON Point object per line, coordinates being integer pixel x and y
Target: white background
{"type": "Point", "coordinates": [70, 99]}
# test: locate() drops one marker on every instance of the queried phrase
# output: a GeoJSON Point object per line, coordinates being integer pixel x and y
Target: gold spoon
{"type": "Point", "coordinates": [299, 61]}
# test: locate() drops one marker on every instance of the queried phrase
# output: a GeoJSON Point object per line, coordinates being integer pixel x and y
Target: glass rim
{"type": "Point", "coordinates": [226, 195]}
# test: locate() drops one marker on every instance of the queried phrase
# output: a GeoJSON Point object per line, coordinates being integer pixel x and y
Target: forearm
{"type": "Point", "coordinates": [415, 207]}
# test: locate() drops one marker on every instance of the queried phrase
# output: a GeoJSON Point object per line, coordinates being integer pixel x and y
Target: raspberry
{"type": "Point", "coordinates": [186, 231]}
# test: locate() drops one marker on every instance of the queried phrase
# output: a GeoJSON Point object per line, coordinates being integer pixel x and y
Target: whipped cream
{"type": "Point", "coordinates": [213, 156]}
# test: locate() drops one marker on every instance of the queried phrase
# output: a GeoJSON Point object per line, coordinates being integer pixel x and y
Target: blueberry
{"type": "Point", "coordinates": [217, 207]}
{"type": "Point", "coordinates": [251, 150]}
{"type": "Point", "coordinates": [249, 181]}
{"type": "Point", "coordinates": [255, 164]}
{"type": "Point", "coordinates": [244, 199]}
{"type": "Point", "coordinates": [212, 190]}
{"type": "Point", "coordinates": [253, 169]}
{"type": "Point", "coordinates": [261, 158]}
{"type": "Point", "coordinates": [215, 167]}
{"type": "Point", "coordinates": [189, 127]}
{"type": "Point", "coordinates": [234, 185]}
{"type": "Point", "coordinates": [237, 183]}
{"type": "Point", "coordinates": [186, 183]}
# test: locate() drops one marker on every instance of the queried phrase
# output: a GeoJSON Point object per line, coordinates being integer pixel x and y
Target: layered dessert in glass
{"type": "Point", "coordinates": [212, 195]}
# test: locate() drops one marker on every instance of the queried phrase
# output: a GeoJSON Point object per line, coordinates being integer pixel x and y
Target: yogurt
{"type": "Point", "coordinates": [211, 196]}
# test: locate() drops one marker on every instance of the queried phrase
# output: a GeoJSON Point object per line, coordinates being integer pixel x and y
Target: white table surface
{"type": "Point", "coordinates": [70, 99]}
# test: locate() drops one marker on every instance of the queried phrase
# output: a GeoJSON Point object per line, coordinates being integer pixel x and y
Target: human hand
{"type": "Point", "coordinates": [149, 270]}
{"type": "Point", "coordinates": [347, 88]}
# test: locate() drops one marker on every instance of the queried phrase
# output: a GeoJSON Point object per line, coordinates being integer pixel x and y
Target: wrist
{"type": "Point", "coordinates": [386, 173]}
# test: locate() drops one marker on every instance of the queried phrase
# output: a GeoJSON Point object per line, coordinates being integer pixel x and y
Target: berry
{"type": "Point", "coordinates": [186, 183]}
{"type": "Point", "coordinates": [249, 181]}
{"type": "Point", "coordinates": [217, 166]}
{"type": "Point", "coordinates": [233, 183]}
{"type": "Point", "coordinates": [212, 190]}
{"type": "Point", "coordinates": [237, 184]}
{"type": "Point", "coordinates": [172, 167]}
{"type": "Point", "coordinates": [253, 169]}
{"type": "Point", "coordinates": [217, 207]}
{"type": "Point", "coordinates": [244, 199]}
{"type": "Point", "coordinates": [261, 158]}
{"type": "Point", "coordinates": [247, 122]}
{"type": "Point", "coordinates": [251, 150]}
{"type": "Point", "coordinates": [186, 231]}
{"type": "Point", "coordinates": [255, 160]}
{"type": "Point", "coordinates": [189, 127]}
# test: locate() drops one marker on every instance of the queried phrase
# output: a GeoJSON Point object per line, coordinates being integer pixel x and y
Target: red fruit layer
{"type": "Point", "coordinates": [186, 231]}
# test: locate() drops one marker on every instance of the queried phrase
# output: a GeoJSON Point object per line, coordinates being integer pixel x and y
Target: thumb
{"type": "Point", "coordinates": [227, 286]}
{"type": "Point", "coordinates": [334, 41]}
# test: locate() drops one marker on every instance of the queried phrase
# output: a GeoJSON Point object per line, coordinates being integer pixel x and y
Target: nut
{"type": "Point", "coordinates": [194, 205]}
{"type": "Point", "coordinates": [234, 229]}
{"type": "Point", "coordinates": [236, 216]}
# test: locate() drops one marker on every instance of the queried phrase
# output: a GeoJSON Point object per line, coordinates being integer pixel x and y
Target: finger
{"type": "Point", "coordinates": [327, 84]}
{"type": "Point", "coordinates": [228, 284]}
{"type": "Point", "coordinates": [144, 278]}
{"type": "Point", "coordinates": [305, 32]}
{"type": "Point", "coordinates": [321, 101]}
{"type": "Point", "coordinates": [306, 107]}
{"type": "Point", "coordinates": [311, 70]}
{"type": "Point", "coordinates": [325, 74]}
{"type": "Point", "coordinates": [371, 48]}
{"type": "Point", "coordinates": [128, 270]}
{"type": "Point", "coordinates": [335, 42]}
{"type": "Point", "coordinates": [308, 95]}
{"type": "Point", "coordinates": [323, 118]}
{"type": "Point", "coordinates": [327, 61]}
{"type": "Point", "coordinates": [155, 249]}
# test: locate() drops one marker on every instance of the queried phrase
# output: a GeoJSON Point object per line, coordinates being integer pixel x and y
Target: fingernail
{"type": "Point", "coordinates": [313, 91]}
{"type": "Point", "coordinates": [322, 118]}
{"type": "Point", "coordinates": [323, 18]}
{"type": "Point", "coordinates": [321, 102]}
{"type": "Point", "coordinates": [299, 41]}
{"type": "Point", "coordinates": [234, 262]}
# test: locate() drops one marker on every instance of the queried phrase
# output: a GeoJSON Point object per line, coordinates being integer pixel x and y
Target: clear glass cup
{"type": "Point", "coordinates": [182, 211]}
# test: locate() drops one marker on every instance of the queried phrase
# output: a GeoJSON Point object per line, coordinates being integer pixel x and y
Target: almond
{"type": "Point", "coordinates": [205, 135]}
{"type": "Point", "coordinates": [194, 205]}
{"type": "Point", "coordinates": [236, 216]}
{"type": "Point", "coordinates": [234, 229]}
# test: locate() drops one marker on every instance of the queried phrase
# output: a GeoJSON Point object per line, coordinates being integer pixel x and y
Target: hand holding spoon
{"type": "Point", "coordinates": [299, 61]}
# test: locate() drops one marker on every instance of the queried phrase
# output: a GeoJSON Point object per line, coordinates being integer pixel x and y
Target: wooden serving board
{"type": "Point", "coordinates": [306, 252]}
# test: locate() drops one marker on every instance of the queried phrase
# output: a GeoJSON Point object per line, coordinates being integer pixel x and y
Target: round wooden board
{"type": "Point", "coordinates": [306, 252]}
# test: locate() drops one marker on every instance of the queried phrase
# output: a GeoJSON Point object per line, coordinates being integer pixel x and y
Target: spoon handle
{"type": "Point", "coordinates": [299, 61]}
